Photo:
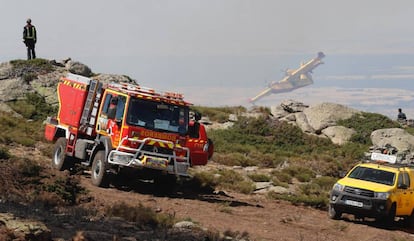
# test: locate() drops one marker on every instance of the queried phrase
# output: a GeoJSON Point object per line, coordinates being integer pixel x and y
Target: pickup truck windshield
{"type": "Point", "coordinates": [157, 116]}
{"type": "Point", "coordinates": [373, 175]}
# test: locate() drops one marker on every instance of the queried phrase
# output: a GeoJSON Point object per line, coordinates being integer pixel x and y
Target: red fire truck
{"type": "Point", "coordinates": [122, 125]}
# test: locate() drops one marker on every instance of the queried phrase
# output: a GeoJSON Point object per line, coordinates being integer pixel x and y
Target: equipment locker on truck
{"type": "Point", "coordinates": [119, 125]}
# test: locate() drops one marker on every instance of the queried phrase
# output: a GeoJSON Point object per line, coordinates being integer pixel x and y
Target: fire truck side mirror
{"type": "Point", "coordinates": [118, 122]}
{"type": "Point", "coordinates": [197, 116]}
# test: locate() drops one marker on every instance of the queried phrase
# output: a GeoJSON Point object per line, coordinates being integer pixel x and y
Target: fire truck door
{"type": "Point", "coordinates": [111, 117]}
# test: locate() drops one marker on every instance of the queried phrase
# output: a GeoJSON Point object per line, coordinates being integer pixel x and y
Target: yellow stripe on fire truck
{"type": "Point", "coordinates": [74, 85]}
{"type": "Point", "coordinates": [163, 144]}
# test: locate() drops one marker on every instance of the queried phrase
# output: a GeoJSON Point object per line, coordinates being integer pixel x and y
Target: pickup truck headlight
{"type": "Point", "coordinates": [338, 187]}
{"type": "Point", "coordinates": [382, 195]}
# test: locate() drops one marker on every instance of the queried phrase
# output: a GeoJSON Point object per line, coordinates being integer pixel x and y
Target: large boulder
{"type": "Point", "coordinates": [320, 119]}
{"type": "Point", "coordinates": [292, 106]}
{"type": "Point", "coordinates": [302, 123]}
{"type": "Point", "coordinates": [395, 137]}
{"type": "Point", "coordinates": [338, 134]}
{"type": "Point", "coordinates": [108, 78]}
{"type": "Point", "coordinates": [5, 70]}
{"type": "Point", "coordinates": [13, 89]}
{"type": "Point", "coordinates": [287, 107]}
{"type": "Point", "coordinates": [327, 114]}
{"type": "Point", "coordinates": [79, 68]}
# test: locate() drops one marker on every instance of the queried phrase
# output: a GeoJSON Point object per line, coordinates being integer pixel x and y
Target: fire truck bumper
{"type": "Point", "coordinates": [145, 161]}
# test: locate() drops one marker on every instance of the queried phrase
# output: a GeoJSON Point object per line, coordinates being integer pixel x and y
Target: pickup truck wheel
{"type": "Point", "coordinates": [99, 175]}
{"type": "Point", "coordinates": [409, 221]}
{"type": "Point", "coordinates": [390, 217]}
{"type": "Point", "coordinates": [333, 214]}
{"type": "Point", "coordinates": [59, 159]}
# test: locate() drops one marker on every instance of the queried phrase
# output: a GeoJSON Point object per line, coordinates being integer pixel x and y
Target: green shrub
{"type": "Point", "coordinates": [29, 168]}
{"type": "Point", "coordinates": [235, 159]}
{"type": "Point", "coordinates": [254, 126]}
{"type": "Point", "coordinates": [18, 130]}
{"type": "Point", "coordinates": [320, 201]}
{"type": "Point", "coordinates": [314, 193]}
{"type": "Point", "coordinates": [303, 174]}
{"type": "Point", "coordinates": [277, 182]}
{"type": "Point", "coordinates": [325, 183]}
{"type": "Point", "coordinates": [257, 177]}
{"type": "Point", "coordinates": [67, 188]}
{"type": "Point", "coordinates": [34, 106]}
{"type": "Point", "coordinates": [30, 69]}
{"type": "Point", "coordinates": [141, 215]}
{"type": "Point", "coordinates": [365, 123]}
{"type": "Point", "coordinates": [4, 153]}
{"type": "Point", "coordinates": [225, 178]}
{"type": "Point", "coordinates": [282, 176]}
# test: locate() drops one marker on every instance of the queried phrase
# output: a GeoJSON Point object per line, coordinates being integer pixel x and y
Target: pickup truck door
{"type": "Point", "coordinates": [404, 194]}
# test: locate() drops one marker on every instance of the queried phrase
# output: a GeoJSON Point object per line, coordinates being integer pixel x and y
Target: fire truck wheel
{"type": "Point", "coordinates": [165, 182]}
{"type": "Point", "coordinates": [60, 160]}
{"type": "Point", "coordinates": [99, 176]}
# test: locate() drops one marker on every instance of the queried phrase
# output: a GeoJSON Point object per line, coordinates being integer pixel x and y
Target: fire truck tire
{"type": "Point", "coordinates": [165, 182]}
{"type": "Point", "coordinates": [60, 161]}
{"type": "Point", "coordinates": [99, 175]}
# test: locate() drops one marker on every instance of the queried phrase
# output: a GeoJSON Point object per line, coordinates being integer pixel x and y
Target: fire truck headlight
{"type": "Point", "coordinates": [382, 195]}
{"type": "Point", "coordinates": [205, 148]}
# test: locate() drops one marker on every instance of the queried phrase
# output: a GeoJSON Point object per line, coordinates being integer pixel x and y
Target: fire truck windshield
{"type": "Point", "coordinates": [158, 116]}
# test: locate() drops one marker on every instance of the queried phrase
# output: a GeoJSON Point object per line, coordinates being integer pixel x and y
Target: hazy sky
{"type": "Point", "coordinates": [222, 52]}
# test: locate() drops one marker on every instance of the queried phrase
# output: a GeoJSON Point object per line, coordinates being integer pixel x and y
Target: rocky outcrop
{"type": "Point", "coordinates": [319, 120]}
{"type": "Point", "coordinates": [14, 84]}
{"type": "Point", "coordinates": [327, 114]}
{"type": "Point", "coordinates": [338, 134]}
{"type": "Point", "coordinates": [394, 137]}
{"type": "Point", "coordinates": [79, 68]}
{"type": "Point", "coordinates": [23, 229]}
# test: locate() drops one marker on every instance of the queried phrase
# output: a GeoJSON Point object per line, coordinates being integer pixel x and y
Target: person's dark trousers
{"type": "Point", "coordinates": [31, 54]}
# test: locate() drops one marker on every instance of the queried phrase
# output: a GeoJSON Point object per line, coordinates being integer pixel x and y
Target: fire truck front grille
{"type": "Point", "coordinates": [358, 191]}
{"type": "Point", "coordinates": [157, 149]}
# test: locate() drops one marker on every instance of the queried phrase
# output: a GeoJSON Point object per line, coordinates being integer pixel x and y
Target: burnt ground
{"type": "Point", "coordinates": [253, 217]}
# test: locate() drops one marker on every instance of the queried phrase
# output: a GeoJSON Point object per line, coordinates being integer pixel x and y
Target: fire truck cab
{"type": "Point", "coordinates": [118, 125]}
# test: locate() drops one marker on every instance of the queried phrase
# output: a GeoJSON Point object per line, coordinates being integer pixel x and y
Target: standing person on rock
{"type": "Point", "coordinates": [29, 39]}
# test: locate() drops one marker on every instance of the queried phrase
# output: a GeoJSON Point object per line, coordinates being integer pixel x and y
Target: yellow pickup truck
{"type": "Point", "coordinates": [378, 190]}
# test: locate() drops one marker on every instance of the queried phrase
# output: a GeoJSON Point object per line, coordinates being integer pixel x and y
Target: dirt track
{"type": "Point", "coordinates": [262, 218]}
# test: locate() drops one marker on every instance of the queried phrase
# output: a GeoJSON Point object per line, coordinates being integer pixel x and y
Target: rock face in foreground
{"type": "Point", "coordinates": [23, 229]}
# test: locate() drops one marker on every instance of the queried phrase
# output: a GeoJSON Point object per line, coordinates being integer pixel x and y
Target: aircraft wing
{"type": "Point", "coordinates": [280, 87]}
{"type": "Point", "coordinates": [296, 79]}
